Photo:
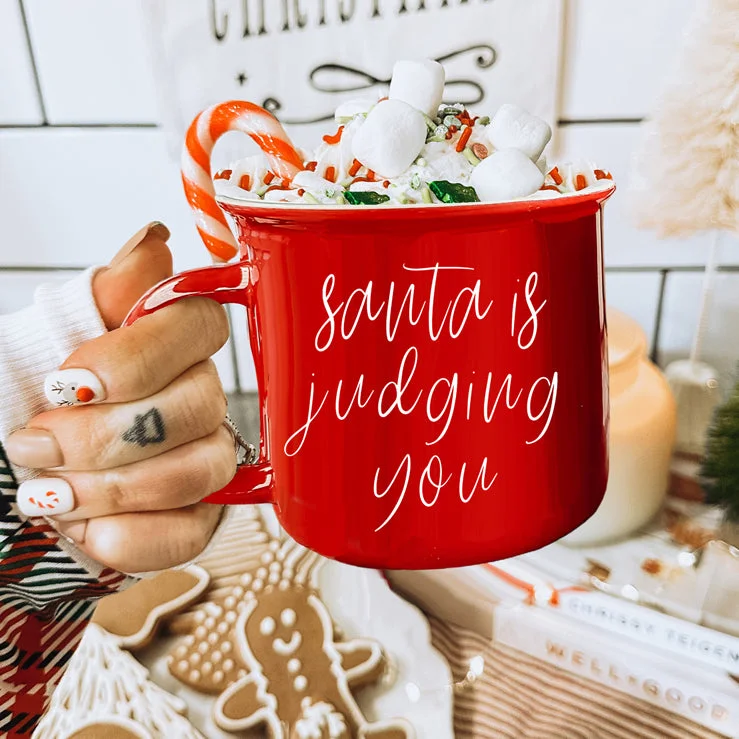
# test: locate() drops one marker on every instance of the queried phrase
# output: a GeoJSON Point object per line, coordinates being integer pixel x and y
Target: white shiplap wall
{"type": "Point", "coordinates": [88, 116]}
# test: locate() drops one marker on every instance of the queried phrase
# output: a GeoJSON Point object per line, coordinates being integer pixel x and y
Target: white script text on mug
{"type": "Point", "coordinates": [456, 396]}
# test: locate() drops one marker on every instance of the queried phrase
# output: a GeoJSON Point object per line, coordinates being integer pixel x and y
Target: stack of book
{"type": "Point", "coordinates": [655, 617]}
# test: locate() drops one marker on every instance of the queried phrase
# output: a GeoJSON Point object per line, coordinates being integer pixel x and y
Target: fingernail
{"type": "Point", "coordinates": [73, 387]}
{"type": "Point", "coordinates": [45, 496]}
{"type": "Point", "coordinates": [35, 448]}
{"type": "Point", "coordinates": [155, 228]}
{"type": "Point", "coordinates": [75, 531]}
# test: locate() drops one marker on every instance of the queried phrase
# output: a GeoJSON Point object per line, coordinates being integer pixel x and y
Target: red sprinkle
{"type": "Point", "coordinates": [382, 100]}
{"type": "Point", "coordinates": [301, 192]}
{"type": "Point", "coordinates": [245, 182]}
{"type": "Point", "coordinates": [550, 187]}
{"type": "Point", "coordinates": [464, 138]}
{"type": "Point", "coordinates": [601, 175]}
{"type": "Point", "coordinates": [580, 182]}
{"type": "Point", "coordinates": [224, 174]}
{"type": "Point", "coordinates": [335, 138]}
{"type": "Point", "coordinates": [361, 179]}
{"type": "Point", "coordinates": [311, 166]}
{"type": "Point", "coordinates": [449, 134]}
{"type": "Point", "coordinates": [556, 176]}
{"type": "Point", "coordinates": [386, 183]}
{"type": "Point", "coordinates": [277, 187]}
{"type": "Point", "coordinates": [453, 129]}
{"type": "Point", "coordinates": [371, 175]}
{"type": "Point", "coordinates": [268, 178]}
{"type": "Point", "coordinates": [330, 174]}
{"type": "Point", "coordinates": [356, 166]}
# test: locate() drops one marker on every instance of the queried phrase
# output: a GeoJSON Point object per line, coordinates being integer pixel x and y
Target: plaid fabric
{"type": "Point", "coordinates": [46, 600]}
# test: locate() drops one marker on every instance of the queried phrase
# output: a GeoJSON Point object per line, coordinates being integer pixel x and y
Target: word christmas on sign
{"type": "Point", "coordinates": [257, 17]}
{"type": "Point", "coordinates": [436, 403]}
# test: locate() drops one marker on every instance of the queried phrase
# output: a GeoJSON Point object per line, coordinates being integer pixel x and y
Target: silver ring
{"type": "Point", "coordinates": [246, 453]}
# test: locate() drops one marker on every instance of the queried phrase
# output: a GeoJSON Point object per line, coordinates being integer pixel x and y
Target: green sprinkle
{"type": "Point", "coordinates": [426, 195]}
{"type": "Point", "coordinates": [416, 181]}
{"type": "Point", "coordinates": [453, 192]}
{"type": "Point", "coordinates": [309, 198]}
{"type": "Point", "coordinates": [450, 110]}
{"type": "Point", "coordinates": [345, 119]}
{"type": "Point", "coordinates": [469, 155]}
{"type": "Point", "coordinates": [365, 198]}
{"type": "Point", "coordinates": [484, 121]}
{"type": "Point", "coordinates": [341, 200]}
{"type": "Point", "coordinates": [430, 123]}
{"type": "Point", "coordinates": [438, 134]}
{"type": "Point", "coordinates": [421, 162]}
{"type": "Point", "coordinates": [452, 120]}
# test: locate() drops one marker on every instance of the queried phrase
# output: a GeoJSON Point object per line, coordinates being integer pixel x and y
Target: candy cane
{"type": "Point", "coordinates": [202, 136]}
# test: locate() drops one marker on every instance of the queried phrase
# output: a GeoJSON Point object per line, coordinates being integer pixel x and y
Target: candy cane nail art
{"type": "Point", "coordinates": [73, 387]}
{"type": "Point", "coordinates": [49, 496]}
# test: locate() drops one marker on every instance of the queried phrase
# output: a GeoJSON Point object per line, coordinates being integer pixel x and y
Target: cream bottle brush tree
{"type": "Point", "coordinates": [687, 181]}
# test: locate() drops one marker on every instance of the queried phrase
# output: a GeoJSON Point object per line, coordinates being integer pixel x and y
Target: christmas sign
{"type": "Point", "coordinates": [300, 58]}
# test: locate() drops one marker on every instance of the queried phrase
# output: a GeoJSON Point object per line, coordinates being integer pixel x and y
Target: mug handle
{"type": "Point", "coordinates": [226, 283]}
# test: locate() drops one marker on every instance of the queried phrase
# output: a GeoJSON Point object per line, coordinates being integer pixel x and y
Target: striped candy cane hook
{"type": "Point", "coordinates": [204, 132]}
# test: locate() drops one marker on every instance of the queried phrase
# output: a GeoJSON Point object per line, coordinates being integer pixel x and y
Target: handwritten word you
{"type": "Point", "coordinates": [244, 18]}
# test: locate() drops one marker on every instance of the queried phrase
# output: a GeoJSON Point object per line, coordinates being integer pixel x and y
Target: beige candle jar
{"type": "Point", "coordinates": [642, 434]}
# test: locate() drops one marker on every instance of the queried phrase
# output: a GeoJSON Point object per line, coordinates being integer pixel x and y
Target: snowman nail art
{"type": "Point", "coordinates": [73, 387]}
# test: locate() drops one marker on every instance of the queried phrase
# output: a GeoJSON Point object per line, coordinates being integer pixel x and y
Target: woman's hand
{"type": "Point", "coordinates": [139, 438]}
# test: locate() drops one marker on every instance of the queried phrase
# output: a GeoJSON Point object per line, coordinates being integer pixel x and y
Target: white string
{"type": "Point", "coordinates": [708, 284]}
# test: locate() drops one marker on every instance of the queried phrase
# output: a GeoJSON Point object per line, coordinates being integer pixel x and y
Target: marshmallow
{"type": "Point", "coordinates": [420, 84]}
{"type": "Point", "coordinates": [390, 138]}
{"type": "Point", "coordinates": [514, 128]}
{"type": "Point", "coordinates": [505, 175]}
{"type": "Point", "coordinates": [314, 183]}
{"type": "Point", "coordinates": [351, 108]}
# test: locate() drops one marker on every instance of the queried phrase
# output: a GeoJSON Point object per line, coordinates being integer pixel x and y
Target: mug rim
{"type": "Point", "coordinates": [244, 206]}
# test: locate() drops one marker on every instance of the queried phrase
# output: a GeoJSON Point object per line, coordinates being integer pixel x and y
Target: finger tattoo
{"type": "Point", "coordinates": [147, 429]}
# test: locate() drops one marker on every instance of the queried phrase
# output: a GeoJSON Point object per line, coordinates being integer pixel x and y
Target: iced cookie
{"type": "Point", "coordinates": [110, 729]}
{"type": "Point", "coordinates": [106, 689]}
{"type": "Point", "coordinates": [238, 549]}
{"type": "Point", "coordinates": [297, 681]}
{"type": "Point", "coordinates": [133, 615]}
{"type": "Point", "coordinates": [206, 658]}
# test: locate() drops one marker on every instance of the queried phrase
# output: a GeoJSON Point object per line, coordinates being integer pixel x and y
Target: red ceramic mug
{"type": "Point", "coordinates": [432, 379]}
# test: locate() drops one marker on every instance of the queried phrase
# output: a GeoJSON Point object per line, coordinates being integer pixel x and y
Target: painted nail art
{"type": "Point", "coordinates": [73, 387]}
{"type": "Point", "coordinates": [45, 496]}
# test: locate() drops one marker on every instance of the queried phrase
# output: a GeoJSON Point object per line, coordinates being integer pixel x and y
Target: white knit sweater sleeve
{"type": "Point", "coordinates": [35, 341]}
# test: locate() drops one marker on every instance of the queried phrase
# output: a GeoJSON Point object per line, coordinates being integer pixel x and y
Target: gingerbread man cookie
{"type": "Point", "coordinates": [133, 615]}
{"type": "Point", "coordinates": [298, 679]}
{"type": "Point", "coordinates": [206, 658]}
